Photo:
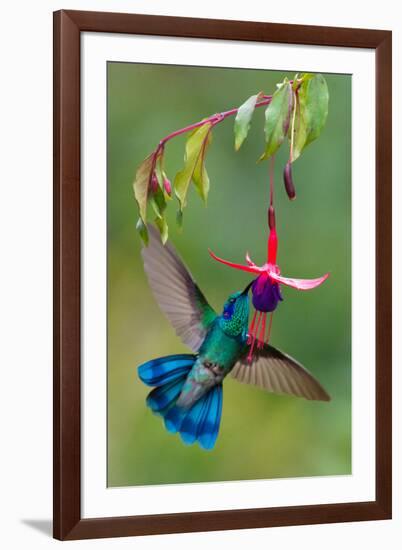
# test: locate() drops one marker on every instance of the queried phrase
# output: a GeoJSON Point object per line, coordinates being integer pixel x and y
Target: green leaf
{"type": "Point", "coordinates": [158, 202]}
{"type": "Point", "coordinates": [194, 147]}
{"type": "Point", "coordinates": [311, 112]}
{"type": "Point", "coordinates": [243, 118]}
{"type": "Point", "coordinates": [141, 185]}
{"type": "Point", "coordinates": [298, 80]}
{"type": "Point", "coordinates": [159, 170]}
{"type": "Point", "coordinates": [161, 177]}
{"type": "Point", "coordinates": [161, 174]}
{"type": "Point", "coordinates": [277, 118]}
{"type": "Point", "coordinates": [200, 175]}
{"type": "Point", "coordinates": [162, 225]}
{"type": "Point", "coordinates": [143, 231]}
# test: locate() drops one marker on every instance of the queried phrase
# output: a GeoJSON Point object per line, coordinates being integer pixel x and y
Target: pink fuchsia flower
{"type": "Point", "coordinates": [167, 186]}
{"type": "Point", "coordinates": [266, 292]}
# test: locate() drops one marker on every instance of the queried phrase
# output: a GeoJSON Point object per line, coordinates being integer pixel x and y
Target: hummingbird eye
{"type": "Point", "coordinates": [232, 301]}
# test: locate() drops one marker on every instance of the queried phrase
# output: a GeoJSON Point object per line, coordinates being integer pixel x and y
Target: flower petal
{"type": "Point", "coordinates": [265, 293]}
{"type": "Point", "coordinates": [249, 260]}
{"type": "Point", "coordinates": [300, 284]}
{"type": "Point", "coordinates": [249, 269]}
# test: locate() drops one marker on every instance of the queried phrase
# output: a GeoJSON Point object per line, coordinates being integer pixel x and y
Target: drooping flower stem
{"type": "Point", "coordinates": [272, 245]}
{"type": "Point", "coordinates": [287, 173]}
{"type": "Point", "coordinates": [271, 218]}
{"type": "Point", "coordinates": [271, 181]}
{"type": "Point", "coordinates": [292, 128]}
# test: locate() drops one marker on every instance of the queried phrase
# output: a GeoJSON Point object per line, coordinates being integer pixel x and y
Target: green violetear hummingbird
{"type": "Point", "coordinates": [188, 387]}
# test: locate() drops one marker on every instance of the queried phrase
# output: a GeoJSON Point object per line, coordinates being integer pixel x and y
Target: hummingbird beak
{"type": "Point", "coordinates": [245, 291]}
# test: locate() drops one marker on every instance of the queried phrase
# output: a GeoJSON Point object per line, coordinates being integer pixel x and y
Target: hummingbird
{"type": "Point", "coordinates": [187, 388]}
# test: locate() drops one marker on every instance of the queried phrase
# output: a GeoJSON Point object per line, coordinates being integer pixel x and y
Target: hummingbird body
{"type": "Point", "coordinates": [221, 348]}
{"type": "Point", "coordinates": [187, 390]}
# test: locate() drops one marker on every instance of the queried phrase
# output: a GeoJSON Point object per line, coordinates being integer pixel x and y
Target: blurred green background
{"type": "Point", "coordinates": [262, 435]}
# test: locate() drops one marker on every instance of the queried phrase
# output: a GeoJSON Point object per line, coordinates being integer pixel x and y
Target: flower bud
{"type": "Point", "coordinates": [168, 186]}
{"type": "Point", "coordinates": [154, 183]}
{"type": "Point", "coordinates": [287, 178]}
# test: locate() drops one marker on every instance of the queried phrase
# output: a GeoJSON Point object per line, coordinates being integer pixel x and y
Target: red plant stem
{"type": "Point", "coordinates": [213, 119]}
{"type": "Point", "coordinates": [271, 181]}
{"type": "Point", "coordinates": [272, 238]}
{"type": "Point", "coordinates": [158, 150]}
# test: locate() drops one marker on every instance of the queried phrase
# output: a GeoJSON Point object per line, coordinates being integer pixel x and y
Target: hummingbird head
{"type": "Point", "coordinates": [235, 313]}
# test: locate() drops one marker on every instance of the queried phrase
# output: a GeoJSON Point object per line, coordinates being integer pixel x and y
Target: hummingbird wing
{"type": "Point", "coordinates": [277, 372]}
{"type": "Point", "coordinates": [176, 292]}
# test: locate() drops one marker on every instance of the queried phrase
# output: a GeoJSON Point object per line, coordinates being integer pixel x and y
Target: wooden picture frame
{"type": "Point", "coordinates": [68, 26]}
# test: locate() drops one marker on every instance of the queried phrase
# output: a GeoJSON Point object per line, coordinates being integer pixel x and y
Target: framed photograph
{"type": "Point", "coordinates": [222, 272]}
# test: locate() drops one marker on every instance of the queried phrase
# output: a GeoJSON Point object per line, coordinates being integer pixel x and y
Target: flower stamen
{"type": "Point", "coordinates": [269, 328]}
{"type": "Point", "coordinates": [260, 342]}
{"type": "Point", "coordinates": [249, 339]}
{"type": "Point", "coordinates": [254, 336]}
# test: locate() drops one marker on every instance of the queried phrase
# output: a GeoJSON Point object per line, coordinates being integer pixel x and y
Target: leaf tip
{"type": "Point", "coordinates": [163, 229]}
{"type": "Point", "coordinates": [143, 231]}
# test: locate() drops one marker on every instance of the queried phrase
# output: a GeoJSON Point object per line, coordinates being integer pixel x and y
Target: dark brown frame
{"type": "Point", "coordinates": [68, 26]}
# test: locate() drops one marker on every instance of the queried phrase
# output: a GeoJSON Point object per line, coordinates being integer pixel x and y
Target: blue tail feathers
{"type": "Point", "coordinates": [201, 421]}
{"type": "Point", "coordinates": [158, 372]}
